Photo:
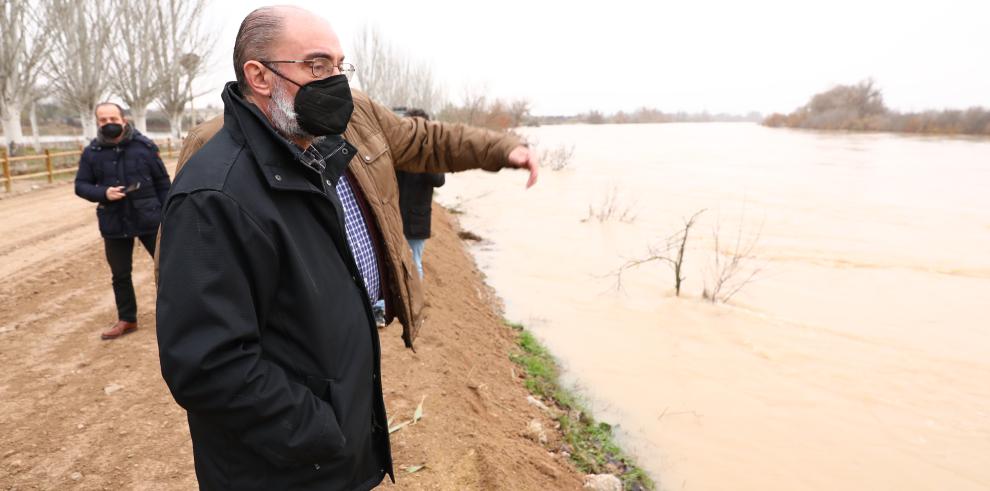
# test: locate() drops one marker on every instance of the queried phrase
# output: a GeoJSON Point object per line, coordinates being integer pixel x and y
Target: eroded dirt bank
{"type": "Point", "coordinates": [80, 413]}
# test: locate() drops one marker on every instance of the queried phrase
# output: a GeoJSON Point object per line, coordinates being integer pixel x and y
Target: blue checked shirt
{"type": "Point", "coordinates": [356, 229]}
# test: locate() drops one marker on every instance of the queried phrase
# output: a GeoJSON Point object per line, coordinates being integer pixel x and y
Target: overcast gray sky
{"type": "Point", "coordinates": [715, 55]}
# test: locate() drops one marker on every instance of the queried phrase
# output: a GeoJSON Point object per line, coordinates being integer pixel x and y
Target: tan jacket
{"type": "Point", "coordinates": [386, 142]}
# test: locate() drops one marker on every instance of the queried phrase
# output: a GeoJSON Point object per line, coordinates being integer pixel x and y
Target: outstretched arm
{"type": "Point", "coordinates": [419, 145]}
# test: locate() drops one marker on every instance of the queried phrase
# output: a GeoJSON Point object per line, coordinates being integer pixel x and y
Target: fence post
{"type": "Point", "coordinates": [168, 147]}
{"type": "Point", "coordinates": [6, 171]}
{"type": "Point", "coordinates": [48, 163]}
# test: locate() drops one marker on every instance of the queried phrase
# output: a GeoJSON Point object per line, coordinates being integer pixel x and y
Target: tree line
{"type": "Point", "coordinates": [860, 107]}
{"type": "Point", "coordinates": [478, 109]}
{"type": "Point", "coordinates": [646, 115]}
{"type": "Point", "coordinates": [78, 53]}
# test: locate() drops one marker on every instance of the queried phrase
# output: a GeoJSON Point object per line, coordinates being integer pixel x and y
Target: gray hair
{"type": "Point", "coordinates": [282, 109]}
{"type": "Point", "coordinates": [258, 32]}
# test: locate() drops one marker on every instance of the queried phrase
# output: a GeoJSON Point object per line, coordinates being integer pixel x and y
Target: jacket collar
{"type": "Point", "coordinates": [130, 133]}
{"type": "Point", "coordinates": [278, 158]}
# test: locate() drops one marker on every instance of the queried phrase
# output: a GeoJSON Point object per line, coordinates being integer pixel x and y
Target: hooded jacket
{"type": "Point", "coordinates": [266, 335]}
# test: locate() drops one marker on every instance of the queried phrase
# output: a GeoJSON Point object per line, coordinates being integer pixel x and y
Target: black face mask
{"type": "Point", "coordinates": [323, 107]}
{"type": "Point", "coordinates": [111, 130]}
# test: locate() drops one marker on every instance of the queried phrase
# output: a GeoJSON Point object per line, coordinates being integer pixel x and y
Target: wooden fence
{"type": "Point", "coordinates": [49, 157]}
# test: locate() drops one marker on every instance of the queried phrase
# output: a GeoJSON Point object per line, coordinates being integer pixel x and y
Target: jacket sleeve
{"type": "Point", "coordinates": [192, 143]}
{"type": "Point", "coordinates": [217, 270]}
{"type": "Point", "coordinates": [160, 174]}
{"type": "Point", "coordinates": [419, 145]}
{"type": "Point", "coordinates": [86, 185]}
{"type": "Point", "coordinates": [196, 138]}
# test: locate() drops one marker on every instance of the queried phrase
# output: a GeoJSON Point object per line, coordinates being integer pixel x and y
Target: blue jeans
{"type": "Point", "coordinates": [417, 249]}
{"type": "Point", "coordinates": [417, 246]}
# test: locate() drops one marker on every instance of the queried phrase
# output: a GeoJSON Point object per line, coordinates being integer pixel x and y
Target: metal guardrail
{"type": "Point", "coordinates": [48, 157]}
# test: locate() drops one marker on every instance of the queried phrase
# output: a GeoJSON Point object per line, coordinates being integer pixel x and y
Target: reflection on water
{"type": "Point", "coordinates": [859, 359]}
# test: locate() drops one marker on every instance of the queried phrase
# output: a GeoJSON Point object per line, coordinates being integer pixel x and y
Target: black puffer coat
{"type": "Point", "coordinates": [134, 160]}
{"type": "Point", "coordinates": [265, 331]}
{"type": "Point", "coordinates": [415, 199]}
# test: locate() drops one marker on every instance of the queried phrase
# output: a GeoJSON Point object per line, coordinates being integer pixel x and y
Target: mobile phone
{"type": "Point", "coordinates": [132, 187]}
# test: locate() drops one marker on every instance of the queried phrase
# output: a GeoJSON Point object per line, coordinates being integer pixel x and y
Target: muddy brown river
{"type": "Point", "coordinates": [858, 357]}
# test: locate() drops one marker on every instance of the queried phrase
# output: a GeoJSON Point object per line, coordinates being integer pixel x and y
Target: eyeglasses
{"type": "Point", "coordinates": [321, 67]}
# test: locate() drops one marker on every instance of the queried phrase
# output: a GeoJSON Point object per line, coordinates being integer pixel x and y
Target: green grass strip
{"type": "Point", "coordinates": [591, 444]}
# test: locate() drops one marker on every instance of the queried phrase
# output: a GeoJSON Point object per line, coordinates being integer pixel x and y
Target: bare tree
{"type": "Point", "coordinates": [36, 95]}
{"type": "Point", "coordinates": [731, 270]}
{"type": "Point", "coordinates": [676, 244]}
{"type": "Point", "coordinates": [856, 107]}
{"type": "Point", "coordinates": [378, 69]}
{"type": "Point", "coordinates": [135, 79]}
{"type": "Point", "coordinates": [476, 109]}
{"type": "Point", "coordinates": [23, 38]}
{"type": "Point", "coordinates": [422, 90]}
{"type": "Point", "coordinates": [862, 99]}
{"type": "Point", "coordinates": [182, 50]}
{"type": "Point", "coordinates": [473, 110]}
{"type": "Point", "coordinates": [391, 77]}
{"type": "Point", "coordinates": [77, 65]}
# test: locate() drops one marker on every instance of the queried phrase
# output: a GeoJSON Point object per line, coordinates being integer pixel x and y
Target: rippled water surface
{"type": "Point", "coordinates": [858, 358]}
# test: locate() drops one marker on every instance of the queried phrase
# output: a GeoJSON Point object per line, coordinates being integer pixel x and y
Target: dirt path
{"type": "Point", "coordinates": [80, 413]}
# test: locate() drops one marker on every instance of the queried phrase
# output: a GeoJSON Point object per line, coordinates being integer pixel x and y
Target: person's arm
{"type": "Point", "coordinates": [160, 176]}
{"type": "Point", "coordinates": [196, 138]}
{"type": "Point", "coordinates": [86, 186]}
{"type": "Point", "coordinates": [419, 145]}
{"type": "Point", "coordinates": [217, 267]}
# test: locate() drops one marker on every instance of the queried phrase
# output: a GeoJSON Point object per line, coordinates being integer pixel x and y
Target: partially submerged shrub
{"type": "Point", "coordinates": [557, 158]}
{"type": "Point", "coordinates": [611, 207]}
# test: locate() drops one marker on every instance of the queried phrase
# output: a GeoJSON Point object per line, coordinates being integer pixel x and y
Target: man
{"type": "Point", "coordinates": [416, 202]}
{"type": "Point", "coordinates": [121, 170]}
{"type": "Point", "coordinates": [270, 263]}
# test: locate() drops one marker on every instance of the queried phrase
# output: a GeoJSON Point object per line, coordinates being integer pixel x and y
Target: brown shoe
{"type": "Point", "coordinates": [119, 329]}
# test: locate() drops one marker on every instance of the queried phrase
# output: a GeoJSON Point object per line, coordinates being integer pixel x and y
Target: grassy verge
{"type": "Point", "coordinates": [590, 444]}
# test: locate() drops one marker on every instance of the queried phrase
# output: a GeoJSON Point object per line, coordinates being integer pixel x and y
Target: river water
{"type": "Point", "coordinates": [858, 357]}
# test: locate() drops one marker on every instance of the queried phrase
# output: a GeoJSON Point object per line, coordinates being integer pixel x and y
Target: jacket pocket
{"type": "Point", "coordinates": [148, 213]}
{"type": "Point", "coordinates": [372, 148]}
{"type": "Point", "coordinates": [322, 388]}
{"type": "Point", "coordinates": [110, 218]}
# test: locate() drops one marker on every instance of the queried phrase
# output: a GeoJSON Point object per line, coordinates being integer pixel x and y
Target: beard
{"type": "Point", "coordinates": [283, 113]}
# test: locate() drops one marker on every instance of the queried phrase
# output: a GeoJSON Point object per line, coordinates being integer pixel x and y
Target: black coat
{"type": "Point", "coordinates": [133, 160]}
{"type": "Point", "coordinates": [265, 331]}
{"type": "Point", "coordinates": [415, 199]}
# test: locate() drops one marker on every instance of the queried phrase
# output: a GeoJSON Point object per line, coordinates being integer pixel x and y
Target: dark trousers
{"type": "Point", "coordinates": [120, 254]}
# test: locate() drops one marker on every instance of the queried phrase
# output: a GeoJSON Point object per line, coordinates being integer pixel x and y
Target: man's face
{"type": "Point", "coordinates": [305, 37]}
{"type": "Point", "coordinates": [107, 114]}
